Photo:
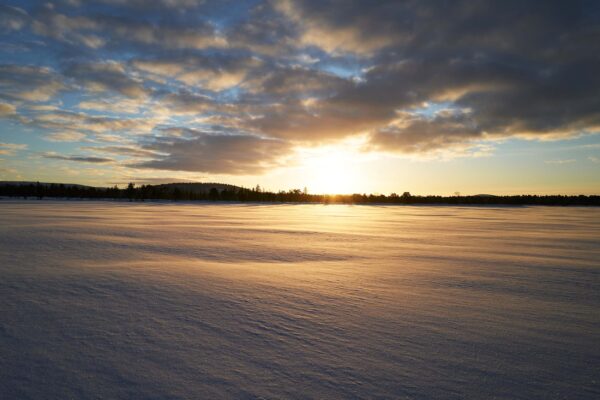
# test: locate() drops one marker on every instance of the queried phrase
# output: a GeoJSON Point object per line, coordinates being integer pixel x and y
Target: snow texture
{"type": "Point", "coordinates": [104, 300]}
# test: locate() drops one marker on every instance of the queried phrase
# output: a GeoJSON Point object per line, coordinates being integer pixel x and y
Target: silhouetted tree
{"type": "Point", "coordinates": [177, 194]}
{"type": "Point", "coordinates": [130, 191]}
{"type": "Point", "coordinates": [39, 191]}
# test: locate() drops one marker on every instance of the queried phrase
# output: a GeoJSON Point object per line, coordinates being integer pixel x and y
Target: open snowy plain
{"type": "Point", "coordinates": [106, 300]}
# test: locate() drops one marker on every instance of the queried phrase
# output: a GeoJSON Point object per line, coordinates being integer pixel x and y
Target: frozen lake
{"type": "Point", "coordinates": [186, 301]}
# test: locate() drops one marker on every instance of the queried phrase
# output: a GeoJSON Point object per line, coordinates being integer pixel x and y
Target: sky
{"type": "Point", "coordinates": [431, 97]}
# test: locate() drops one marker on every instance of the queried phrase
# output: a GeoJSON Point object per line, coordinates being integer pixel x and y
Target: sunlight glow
{"type": "Point", "coordinates": [333, 170]}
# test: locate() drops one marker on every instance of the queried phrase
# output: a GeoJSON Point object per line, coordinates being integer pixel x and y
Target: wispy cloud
{"type": "Point", "coordinates": [9, 149]}
{"type": "Point", "coordinates": [560, 162]}
{"type": "Point", "coordinates": [123, 151]}
{"type": "Point", "coordinates": [65, 136]}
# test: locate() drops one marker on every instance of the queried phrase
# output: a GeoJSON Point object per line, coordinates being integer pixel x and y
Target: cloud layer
{"type": "Point", "coordinates": [234, 88]}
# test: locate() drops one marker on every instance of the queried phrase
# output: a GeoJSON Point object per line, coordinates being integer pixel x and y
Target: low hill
{"type": "Point", "coordinates": [28, 183]}
{"type": "Point", "coordinates": [193, 187]}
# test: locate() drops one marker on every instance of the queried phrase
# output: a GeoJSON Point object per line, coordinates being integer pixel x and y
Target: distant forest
{"type": "Point", "coordinates": [230, 193]}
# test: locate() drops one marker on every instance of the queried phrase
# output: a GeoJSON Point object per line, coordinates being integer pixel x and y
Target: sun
{"type": "Point", "coordinates": [332, 170]}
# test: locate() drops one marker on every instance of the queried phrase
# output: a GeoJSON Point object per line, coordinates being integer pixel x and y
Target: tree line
{"type": "Point", "coordinates": [240, 194]}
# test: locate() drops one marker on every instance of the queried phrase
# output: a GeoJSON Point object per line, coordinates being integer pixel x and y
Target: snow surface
{"type": "Point", "coordinates": [102, 300]}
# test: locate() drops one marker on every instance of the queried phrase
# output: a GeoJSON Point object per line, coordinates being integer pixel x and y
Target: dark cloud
{"type": "Point", "coordinates": [185, 102]}
{"type": "Point", "coordinates": [105, 76]}
{"type": "Point", "coordinates": [94, 160]}
{"type": "Point", "coordinates": [521, 69]}
{"type": "Point", "coordinates": [560, 101]}
{"type": "Point", "coordinates": [116, 31]}
{"type": "Point", "coordinates": [12, 18]}
{"type": "Point", "coordinates": [220, 154]}
{"type": "Point", "coordinates": [264, 30]}
{"type": "Point", "coordinates": [411, 27]}
{"type": "Point", "coordinates": [160, 4]}
{"type": "Point", "coordinates": [416, 134]}
{"type": "Point", "coordinates": [28, 82]}
{"type": "Point", "coordinates": [297, 81]}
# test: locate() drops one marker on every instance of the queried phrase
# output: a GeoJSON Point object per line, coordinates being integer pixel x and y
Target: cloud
{"type": "Point", "coordinates": [72, 30]}
{"type": "Point", "coordinates": [113, 105]}
{"type": "Point", "coordinates": [167, 4]}
{"type": "Point", "coordinates": [411, 133]}
{"type": "Point", "coordinates": [215, 73]}
{"type": "Point", "coordinates": [173, 36]}
{"type": "Point", "coordinates": [296, 81]}
{"type": "Point", "coordinates": [509, 83]}
{"type": "Point", "coordinates": [593, 159]}
{"type": "Point", "coordinates": [338, 29]}
{"type": "Point", "coordinates": [518, 76]}
{"type": "Point", "coordinates": [220, 154]}
{"type": "Point", "coordinates": [123, 151]}
{"type": "Point", "coordinates": [108, 76]}
{"type": "Point", "coordinates": [185, 102]}
{"type": "Point", "coordinates": [264, 31]}
{"type": "Point", "coordinates": [315, 120]}
{"type": "Point", "coordinates": [67, 136]}
{"type": "Point", "coordinates": [7, 109]}
{"type": "Point", "coordinates": [9, 171]}
{"type": "Point", "coordinates": [100, 30]}
{"type": "Point", "coordinates": [560, 162]}
{"type": "Point", "coordinates": [28, 82]}
{"type": "Point", "coordinates": [65, 120]}
{"type": "Point", "coordinates": [12, 18]}
{"type": "Point", "coordinates": [85, 159]}
{"type": "Point", "coordinates": [9, 149]}
{"type": "Point", "coordinates": [42, 107]}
